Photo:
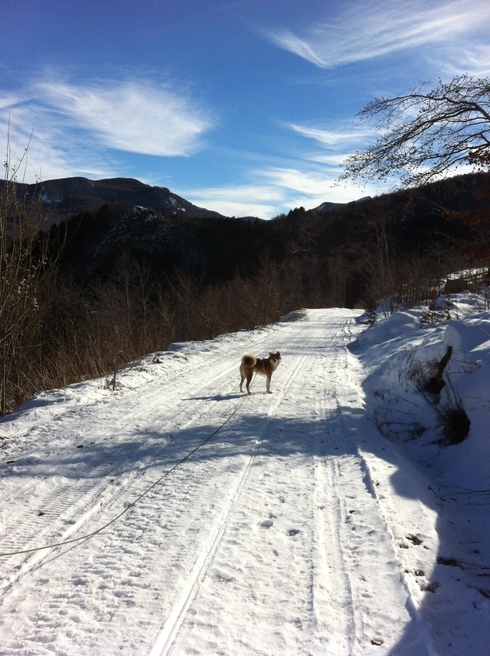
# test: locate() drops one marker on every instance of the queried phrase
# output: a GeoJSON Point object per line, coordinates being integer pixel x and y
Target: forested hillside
{"type": "Point", "coordinates": [103, 287]}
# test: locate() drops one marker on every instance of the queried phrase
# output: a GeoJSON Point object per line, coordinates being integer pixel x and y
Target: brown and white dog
{"type": "Point", "coordinates": [263, 366]}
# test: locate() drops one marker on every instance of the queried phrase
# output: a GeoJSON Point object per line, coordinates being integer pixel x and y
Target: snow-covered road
{"type": "Point", "coordinates": [258, 524]}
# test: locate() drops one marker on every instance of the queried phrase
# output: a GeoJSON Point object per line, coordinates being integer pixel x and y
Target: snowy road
{"type": "Point", "coordinates": [269, 538]}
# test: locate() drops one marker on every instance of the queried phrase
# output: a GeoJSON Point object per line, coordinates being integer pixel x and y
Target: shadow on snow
{"type": "Point", "coordinates": [345, 431]}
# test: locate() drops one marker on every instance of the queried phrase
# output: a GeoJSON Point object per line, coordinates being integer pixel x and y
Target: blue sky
{"type": "Point", "coordinates": [246, 107]}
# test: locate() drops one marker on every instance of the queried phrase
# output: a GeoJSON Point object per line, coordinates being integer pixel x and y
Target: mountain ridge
{"type": "Point", "coordinates": [70, 196]}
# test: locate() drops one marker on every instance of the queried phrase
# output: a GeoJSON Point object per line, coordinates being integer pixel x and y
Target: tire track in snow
{"type": "Point", "coordinates": [95, 504]}
{"type": "Point", "coordinates": [33, 527]}
{"type": "Point", "coordinates": [165, 639]}
{"type": "Point", "coordinates": [337, 609]}
{"type": "Point", "coordinates": [94, 501]}
{"type": "Point", "coordinates": [164, 535]}
{"type": "Point", "coordinates": [367, 540]}
{"type": "Point", "coordinates": [333, 590]}
{"type": "Point", "coordinates": [57, 503]}
{"type": "Point", "coordinates": [332, 602]}
{"type": "Point", "coordinates": [220, 571]}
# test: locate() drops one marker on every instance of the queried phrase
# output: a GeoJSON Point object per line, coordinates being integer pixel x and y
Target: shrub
{"type": "Point", "coordinates": [24, 269]}
{"type": "Point", "coordinates": [454, 421]}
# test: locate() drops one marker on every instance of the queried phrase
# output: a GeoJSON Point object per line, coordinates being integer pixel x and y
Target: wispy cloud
{"type": "Point", "coordinates": [255, 199]}
{"type": "Point", "coordinates": [369, 30]}
{"type": "Point", "coordinates": [134, 116]}
{"type": "Point", "coordinates": [40, 148]}
{"type": "Point", "coordinates": [471, 58]}
{"type": "Point", "coordinates": [278, 189]}
{"type": "Point", "coordinates": [309, 183]}
{"type": "Point", "coordinates": [330, 138]}
{"type": "Point", "coordinates": [82, 129]}
{"type": "Point", "coordinates": [307, 179]}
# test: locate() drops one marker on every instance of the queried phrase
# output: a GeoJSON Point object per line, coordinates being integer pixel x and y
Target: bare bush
{"type": "Point", "coordinates": [455, 423]}
{"type": "Point", "coordinates": [430, 379]}
{"type": "Point", "coordinates": [24, 270]}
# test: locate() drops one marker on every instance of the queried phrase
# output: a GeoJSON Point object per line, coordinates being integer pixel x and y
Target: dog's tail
{"type": "Point", "coordinates": [248, 360]}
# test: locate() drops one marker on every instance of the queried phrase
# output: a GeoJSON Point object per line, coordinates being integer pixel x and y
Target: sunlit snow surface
{"type": "Point", "coordinates": [326, 518]}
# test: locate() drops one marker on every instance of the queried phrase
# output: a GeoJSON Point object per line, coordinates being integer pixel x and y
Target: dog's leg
{"type": "Point", "coordinates": [268, 384]}
{"type": "Point", "coordinates": [242, 376]}
{"type": "Point", "coordinates": [249, 380]}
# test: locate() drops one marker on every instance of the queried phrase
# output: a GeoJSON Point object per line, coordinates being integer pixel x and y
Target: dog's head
{"type": "Point", "coordinates": [275, 358]}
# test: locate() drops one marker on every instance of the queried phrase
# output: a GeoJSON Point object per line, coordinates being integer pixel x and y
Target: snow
{"type": "Point", "coordinates": [170, 514]}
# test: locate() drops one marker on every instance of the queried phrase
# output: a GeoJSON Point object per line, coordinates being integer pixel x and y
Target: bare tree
{"type": "Point", "coordinates": [23, 264]}
{"type": "Point", "coordinates": [425, 134]}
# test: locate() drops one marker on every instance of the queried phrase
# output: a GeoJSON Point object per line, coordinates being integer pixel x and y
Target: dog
{"type": "Point", "coordinates": [262, 366]}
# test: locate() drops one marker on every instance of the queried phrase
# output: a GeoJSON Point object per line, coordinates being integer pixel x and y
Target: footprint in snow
{"type": "Point", "coordinates": [294, 531]}
{"type": "Point", "coordinates": [267, 523]}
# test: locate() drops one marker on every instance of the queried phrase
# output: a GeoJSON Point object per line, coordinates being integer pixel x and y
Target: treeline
{"type": "Point", "coordinates": [101, 289]}
{"type": "Point", "coordinates": [63, 322]}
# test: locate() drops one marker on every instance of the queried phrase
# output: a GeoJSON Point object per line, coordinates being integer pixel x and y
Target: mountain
{"type": "Point", "coordinates": [181, 236]}
{"type": "Point", "coordinates": [71, 196]}
{"type": "Point", "coordinates": [328, 205]}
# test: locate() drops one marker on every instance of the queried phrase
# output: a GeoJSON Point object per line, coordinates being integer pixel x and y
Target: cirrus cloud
{"type": "Point", "coordinates": [83, 128]}
{"type": "Point", "coordinates": [368, 30]}
{"type": "Point", "coordinates": [330, 138]}
{"type": "Point", "coordinates": [138, 117]}
{"type": "Point", "coordinates": [275, 189]}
